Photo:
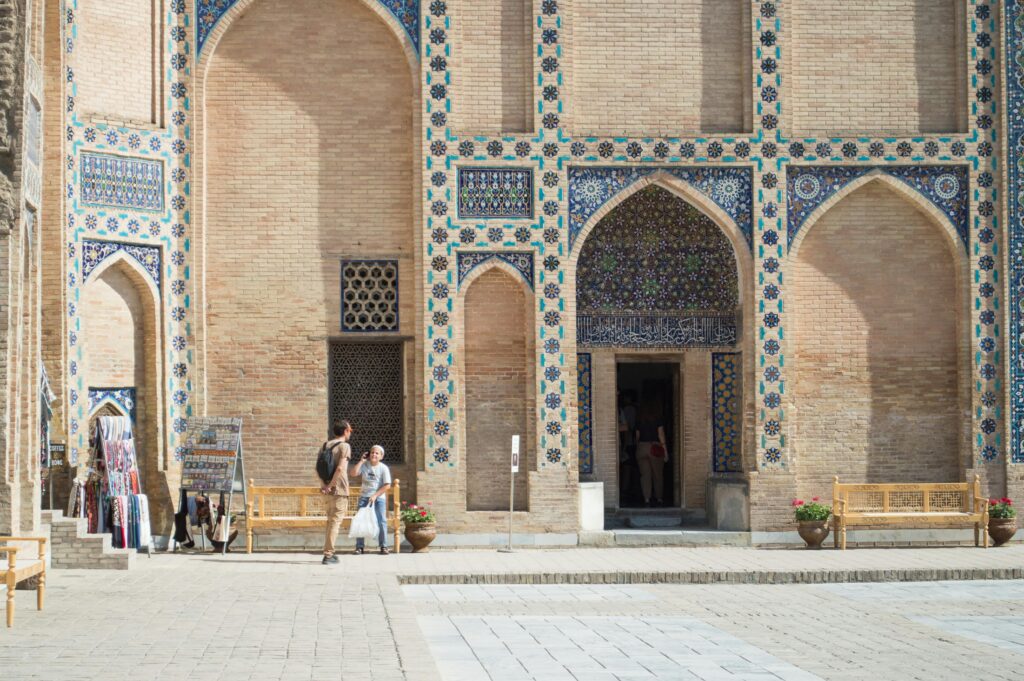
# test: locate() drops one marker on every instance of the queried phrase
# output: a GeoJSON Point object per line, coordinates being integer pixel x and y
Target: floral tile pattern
{"type": "Point", "coordinates": [1015, 221]}
{"type": "Point", "coordinates": [496, 193]}
{"type": "Point", "coordinates": [585, 418]}
{"type": "Point", "coordinates": [121, 182]}
{"type": "Point", "coordinates": [521, 261]}
{"type": "Point", "coordinates": [95, 252]}
{"type": "Point", "coordinates": [123, 398]}
{"type": "Point", "coordinates": [726, 399]}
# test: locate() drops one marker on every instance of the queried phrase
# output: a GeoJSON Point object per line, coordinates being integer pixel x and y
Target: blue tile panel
{"type": "Point", "coordinates": [95, 252]}
{"type": "Point", "coordinates": [811, 186]}
{"type": "Point", "coordinates": [726, 394]}
{"type": "Point", "coordinates": [488, 193]}
{"type": "Point", "coordinates": [123, 398]}
{"type": "Point", "coordinates": [209, 12]}
{"type": "Point", "coordinates": [522, 261]}
{"type": "Point", "coordinates": [683, 330]}
{"type": "Point", "coordinates": [1015, 191]}
{"type": "Point", "coordinates": [584, 403]}
{"type": "Point", "coordinates": [730, 188]}
{"type": "Point", "coordinates": [121, 182]}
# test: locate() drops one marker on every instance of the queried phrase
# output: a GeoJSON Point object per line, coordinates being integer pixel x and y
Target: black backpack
{"type": "Point", "coordinates": [325, 463]}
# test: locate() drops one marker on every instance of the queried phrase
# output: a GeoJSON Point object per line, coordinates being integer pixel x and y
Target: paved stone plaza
{"type": "Point", "coordinates": [284, 616]}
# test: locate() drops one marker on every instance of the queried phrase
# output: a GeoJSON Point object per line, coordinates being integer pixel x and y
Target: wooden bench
{"type": "Point", "coordinates": [303, 507]}
{"type": "Point", "coordinates": [20, 572]}
{"type": "Point", "coordinates": [941, 504]}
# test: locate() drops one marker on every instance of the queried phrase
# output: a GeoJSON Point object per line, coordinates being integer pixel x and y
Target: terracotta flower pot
{"type": "Point", "coordinates": [420, 535]}
{"type": "Point", "coordinates": [813, 532]}
{"type": "Point", "coordinates": [1001, 530]}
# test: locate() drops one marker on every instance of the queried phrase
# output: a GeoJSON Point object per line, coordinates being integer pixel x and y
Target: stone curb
{"type": "Point", "coordinates": [727, 577]}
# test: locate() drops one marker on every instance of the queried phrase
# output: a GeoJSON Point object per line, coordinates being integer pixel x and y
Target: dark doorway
{"type": "Point", "coordinates": [647, 391]}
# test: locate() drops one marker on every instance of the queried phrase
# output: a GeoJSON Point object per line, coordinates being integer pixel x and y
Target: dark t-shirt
{"type": "Point", "coordinates": [648, 430]}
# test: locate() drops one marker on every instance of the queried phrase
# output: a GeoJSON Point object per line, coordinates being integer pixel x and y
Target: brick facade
{"type": "Point", "coordinates": [293, 138]}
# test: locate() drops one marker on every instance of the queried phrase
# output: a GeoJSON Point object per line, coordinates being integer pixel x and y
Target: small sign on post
{"type": "Point", "coordinates": [512, 492]}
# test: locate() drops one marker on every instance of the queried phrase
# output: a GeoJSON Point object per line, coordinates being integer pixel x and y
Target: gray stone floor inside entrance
{"type": "Point", "coordinates": [542, 615]}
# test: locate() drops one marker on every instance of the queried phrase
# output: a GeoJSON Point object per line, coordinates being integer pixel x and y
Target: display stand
{"type": "Point", "coordinates": [115, 459]}
{"type": "Point", "coordinates": [213, 463]}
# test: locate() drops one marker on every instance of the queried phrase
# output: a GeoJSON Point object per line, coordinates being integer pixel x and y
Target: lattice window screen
{"type": "Point", "coordinates": [366, 389]}
{"type": "Point", "coordinates": [369, 295]}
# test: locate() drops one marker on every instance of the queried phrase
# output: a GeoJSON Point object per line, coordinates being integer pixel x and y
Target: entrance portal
{"type": "Point", "coordinates": [648, 397]}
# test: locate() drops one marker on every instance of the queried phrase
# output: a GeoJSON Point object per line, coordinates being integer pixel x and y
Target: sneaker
{"type": "Point", "coordinates": [359, 551]}
{"type": "Point", "coordinates": [329, 560]}
{"type": "Point", "coordinates": [384, 551]}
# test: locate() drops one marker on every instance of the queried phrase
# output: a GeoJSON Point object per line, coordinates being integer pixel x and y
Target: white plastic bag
{"type": "Point", "coordinates": [364, 524]}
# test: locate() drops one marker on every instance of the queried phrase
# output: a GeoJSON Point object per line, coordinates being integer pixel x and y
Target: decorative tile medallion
{"type": "Point", "coordinates": [808, 187]}
{"type": "Point", "coordinates": [369, 295]}
{"type": "Point", "coordinates": [121, 182]}
{"type": "Point", "coordinates": [209, 12]}
{"type": "Point", "coordinates": [585, 418]}
{"type": "Point", "coordinates": [730, 188]}
{"type": "Point", "coordinates": [122, 398]}
{"type": "Point", "coordinates": [486, 193]}
{"type": "Point", "coordinates": [95, 252]}
{"type": "Point", "coordinates": [521, 261]}
{"type": "Point", "coordinates": [726, 397]}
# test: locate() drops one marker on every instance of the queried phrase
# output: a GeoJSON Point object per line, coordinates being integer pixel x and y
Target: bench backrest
{"type": "Point", "coordinates": [932, 497]}
{"type": "Point", "coordinates": [306, 502]}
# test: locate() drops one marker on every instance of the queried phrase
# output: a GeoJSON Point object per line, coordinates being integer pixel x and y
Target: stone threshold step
{"type": "Point", "coordinates": [723, 577]}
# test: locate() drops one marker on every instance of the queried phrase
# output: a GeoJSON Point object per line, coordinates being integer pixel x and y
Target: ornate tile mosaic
{"type": "Point", "coordinates": [121, 182]}
{"type": "Point", "coordinates": [369, 295]}
{"type": "Point", "coordinates": [1015, 222]}
{"type": "Point", "coordinates": [726, 398]}
{"type": "Point", "coordinates": [209, 12]}
{"type": "Point", "coordinates": [95, 252]}
{"type": "Point", "coordinates": [486, 193]}
{"type": "Point", "coordinates": [585, 419]}
{"type": "Point", "coordinates": [808, 187]}
{"type": "Point", "coordinates": [730, 188]}
{"type": "Point", "coordinates": [655, 331]}
{"type": "Point", "coordinates": [520, 260]}
{"type": "Point", "coordinates": [123, 398]}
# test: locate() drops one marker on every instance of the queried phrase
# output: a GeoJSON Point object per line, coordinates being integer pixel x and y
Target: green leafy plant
{"type": "Point", "coordinates": [411, 513]}
{"type": "Point", "coordinates": [1001, 508]}
{"type": "Point", "coordinates": [812, 510]}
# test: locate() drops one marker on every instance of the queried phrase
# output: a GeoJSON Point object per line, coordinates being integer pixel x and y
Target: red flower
{"type": "Point", "coordinates": [815, 498]}
{"type": "Point", "coordinates": [992, 502]}
{"type": "Point", "coordinates": [423, 513]}
{"type": "Point", "coordinates": [798, 502]}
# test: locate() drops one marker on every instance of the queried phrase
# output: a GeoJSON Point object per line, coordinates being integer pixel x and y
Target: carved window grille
{"type": "Point", "coordinates": [367, 390]}
{"type": "Point", "coordinates": [369, 295]}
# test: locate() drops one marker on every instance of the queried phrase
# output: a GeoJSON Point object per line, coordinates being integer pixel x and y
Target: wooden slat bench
{"type": "Point", "coordinates": [304, 507]}
{"type": "Point", "coordinates": [20, 571]}
{"type": "Point", "coordinates": [940, 504]}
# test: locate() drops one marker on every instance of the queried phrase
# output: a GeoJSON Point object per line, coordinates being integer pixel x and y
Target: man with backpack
{"type": "Point", "coordinates": [332, 467]}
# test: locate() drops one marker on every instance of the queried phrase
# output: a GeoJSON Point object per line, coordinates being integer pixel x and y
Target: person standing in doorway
{"type": "Point", "coordinates": [651, 455]}
{"type": "Point", "coordinates": [336, 488]}
{"type": "Point", "coordinates": [374, 492]}
{"type": "Point", "coordinates": [628, 472]}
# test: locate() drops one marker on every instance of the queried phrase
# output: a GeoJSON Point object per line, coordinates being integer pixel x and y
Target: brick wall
{"type": "Point", "coordinates": [118, 62]}
{"type": "Point", "coordinates": [493, 81]}
{"type": "Point", "coordinates": [499, 353]}
{"type": "Point", "coordinates": [288, 195]}
{"type": "Point", "coordinates": [660, 66]}
{"type": "Point", "coordinates": [113, 331]}
{"type": "Point", "coordinates": [874, 319]}
{"type": "Point", "coordinates": [696, 447]}
{"type": "Point", "coordinates": [898, 69]}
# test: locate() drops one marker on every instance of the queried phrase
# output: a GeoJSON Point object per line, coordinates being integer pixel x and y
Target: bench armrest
{"type": "Point", "coordinates": [982, 503]}
{"type": "Point", "coordinates": [12, 555]}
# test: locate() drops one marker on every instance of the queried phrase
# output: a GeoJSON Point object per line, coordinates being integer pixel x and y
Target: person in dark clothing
{"type": "Point", "coordinates": [651, 455]}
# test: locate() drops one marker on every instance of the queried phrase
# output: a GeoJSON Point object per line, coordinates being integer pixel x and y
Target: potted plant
{"type": "Point", "coordinates": [812, 521]}
{"type": "Point", "coordinates": [420, 527]}
{"type": "Point", "coordinates": [1002, 520]}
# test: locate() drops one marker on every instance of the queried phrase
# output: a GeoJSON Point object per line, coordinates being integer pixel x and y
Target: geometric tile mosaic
{"type": "Point", "coordinates": [730, 188]}
{"type": "Point", "coordinates": [522, 261]}
{"type": "Point", "coordinates": [810, 186]}
{"type": "Point", "coordinates": [584, 395]}
{"type": "Point", "coordinates": [123, 398]}
{"type": "Point", "coordinates": [369, 295]}
{"type": "Point", "coordinates": [95, 252]}
{"type": "Point", "coordinates": [496, 193]}
{"type": "Point", "coordinates": [725, 408]}
{"type": "Point", "coordinates": [209, 12]}
{"type": "Point", "coordinates": [1014, 22]}
{"type": "Point", "coordinates": [661, 331]}
{"type": "Point", "coordinates": [122, 182]}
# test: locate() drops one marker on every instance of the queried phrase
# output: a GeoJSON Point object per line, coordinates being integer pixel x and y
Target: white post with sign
{"type": "Point", "coordinates": [512, 491]}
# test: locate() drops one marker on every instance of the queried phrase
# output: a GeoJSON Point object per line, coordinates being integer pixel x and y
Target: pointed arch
{"type": "Point", "coordinates": [878, 390]}
{"type": "Point", "coordinates": [497, 381]}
